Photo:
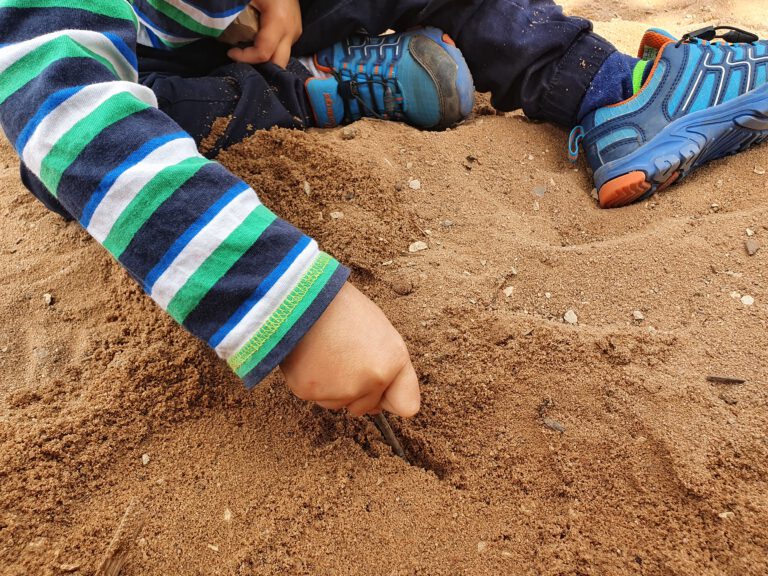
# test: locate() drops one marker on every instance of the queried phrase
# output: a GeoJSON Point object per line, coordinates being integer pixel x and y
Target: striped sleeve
{"type": "Point", "coordinates": [93, 144]}
{"type": "Point", "coordinates": [170, 24]}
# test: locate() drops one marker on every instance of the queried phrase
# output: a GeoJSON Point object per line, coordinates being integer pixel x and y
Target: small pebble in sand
{"type": "Point", "coordinates": [482, 546]}
{"type": "Point", "coordinates": [727, 515]}
{"type": "Point", "coordinates": [145, 459]}
{"type": "Point", "coordinates": [749, 232]}
{"type": "Point", "coordinates": [759, 170]}
{"type": "Point", "coordinates": [553, 425]}
{"type": "Point", "coordinates": [337, 215]}
{"type": "Point", "coordinates": [402, 287]}
{"type": "Point", "coordinates": [530, 157]}
{"type": "Point", "coordinates": [637, 315]}
{"type": "Point", "coordinates": [571, 317]}
{"type": "Point", "coordinates": [540, 191]}
{"type": "Point", "coordinates": [348, 133]}
{"type": "Point", "coordinates": [508, 291]}
{"type": "Point", "coordinates": [417, 246]}
{"type": "Point", "coordinates": [595, 195]}
{"type": "Point", "coordinates": [227, 515]}
{"type": "Point", "coordinates": [69, 568]}
{"type": "Point", "coordinates": [213, 547]}
{"type": "Point", "coordinates": [747, 300]}
{"type": "Point", "coordinates": [752, 246]}
{"type": "Point", "coordinates": [446, 223]}
{"type": "Point", "coordinates": [48, 299]}
{"type": "Point", "coordinates": [414, 184]}
{"type": "Point", "coordinates": [307, 188]}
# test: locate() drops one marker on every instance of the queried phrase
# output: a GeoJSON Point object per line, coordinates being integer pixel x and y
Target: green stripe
{"type": "Point", "coordinates": [637, 75]}
{"type": "Point", "coordinates": [183, 19]}
{"type": "Point", "coordinates": [31, 65]}
{"type": "Point", "coordinates": [148, 200]}
{"type": "Point", "coordinates": [102, 7]}
{"type": "Point", "coordinates": [284, 318]}
{"type": "Point", "coordinates": [219, 263]}
{"type": "Point", "coordinates": [71, 144]}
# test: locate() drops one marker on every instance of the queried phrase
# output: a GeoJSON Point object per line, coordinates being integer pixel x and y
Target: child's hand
{"type": "Point", "coordinates": [279, 28]}
{"type": "Point", "coordinates": [353, 357]}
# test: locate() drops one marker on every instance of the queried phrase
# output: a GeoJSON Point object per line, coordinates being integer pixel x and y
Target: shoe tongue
{"type": "Point", "coordinates": [652, 43]}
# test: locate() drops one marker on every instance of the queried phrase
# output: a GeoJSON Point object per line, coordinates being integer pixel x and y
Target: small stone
{"type": "Point", "coordinates": [307, 188]}
{"type": "Point", "coordinates": [213, 547]}
{"type": "Point", "coordinates": [417, 246]}
{"type": "Point", "coordinates": [482, 546]}
{"type": "Point", "coordinates": [337, 215]}
{"type": "Point", "coordinates": [530, 157]}
{"type": "Point", "coordinates": [540, 191]}
{"type": "Point", "coordinates": [749, 232]}
{"type": "Point", "coordinates": [536, 206]}
{"type": "Point", "coordinates": [735, 295]}
{"type": "Point", "coordinates": [715, 207]}
{"type": "Point", "coordinates": [747, 300]}
{"type": "Point", "coordinates": [4, 349]}
{"type": "Point", "coordinates": [637, 315]}
{"type": "Point", "coordinates": [570, 317]}
{"type": "Point", "coordinates": [68, 568]}
{"type": "Point", "coordinates": [553, 425]}
{"type": "Point", "coordinates": [227, 515]}
{"type": "Point", "coordinates": [348, 133]}
{"type": "Point", "coordinates": [513, 271]}
{"type": "Point", "coordinates": [727, 515]}
{"type": "Point", "coordinates": [48, 299]}
{"type": "Point", "coordinates": [145, 459]}
{"type": "Point", "coordinates": [446, 223]}
{"type": "Point", "coordinates": [508, 291]}
{"type": "Point", "coordinates": [409, 165]}
{"type": "Point", "coordinates": [752, 246]}
{"type": "Point", "coordinates": [759, 170]}
{"type": "Point", "coordinates": [402, 287]}
{"type": "Point", "coordinates": [414, 184]}
{"type": "Point", "coordinates": [547, 295]}
{"type": "Point", "coordinates": [595, 195]}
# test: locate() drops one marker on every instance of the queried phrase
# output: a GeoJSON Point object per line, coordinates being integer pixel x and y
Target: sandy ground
{"type": "Point", "coordinates": [542, 447]}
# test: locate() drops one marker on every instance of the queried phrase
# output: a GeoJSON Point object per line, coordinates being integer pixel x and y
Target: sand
{"type": "Point", "coordinates": [542, 448]}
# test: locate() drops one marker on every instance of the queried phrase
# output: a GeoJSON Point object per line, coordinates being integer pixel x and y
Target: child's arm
{"type": "Point", "coordinates": [192, 234]}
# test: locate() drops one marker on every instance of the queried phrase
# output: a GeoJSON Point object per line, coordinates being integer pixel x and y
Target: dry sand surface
{"type": "Point", "coordinates": [542, 447]}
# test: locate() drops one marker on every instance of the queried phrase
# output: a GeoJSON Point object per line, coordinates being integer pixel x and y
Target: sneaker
{"type": "Point", "coordinates": [698, 101]}
{"type": "Point", "coordinates": [418, 77]}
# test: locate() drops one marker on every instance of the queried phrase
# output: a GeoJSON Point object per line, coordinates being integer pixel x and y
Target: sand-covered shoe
{"type": "Point", "coordinates": [696, 100]}
{"type": "Point", "coordinates": [418, 77]}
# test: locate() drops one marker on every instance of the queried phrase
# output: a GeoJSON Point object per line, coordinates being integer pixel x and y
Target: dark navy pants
{"type": "Point", "coordinates": [527, 53]}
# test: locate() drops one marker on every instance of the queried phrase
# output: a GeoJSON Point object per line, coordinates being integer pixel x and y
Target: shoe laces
{"type": "Point", "coordinates": [351, 90]}
{"type": "Point", "coordinates": [711, 33]}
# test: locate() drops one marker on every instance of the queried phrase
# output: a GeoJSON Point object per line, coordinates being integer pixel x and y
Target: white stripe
{"type": "Point", "coordinates": [201, 17]}
{"type": "Point", "coordinates": [266, 306]}
{"type": "Point", "coordinates": [130, 183]}
{"type": "Point", "coordinates": [204, 243]}
{"type": "Point", "coordinates": [62, 118]}
{"type": "Point", "coordinates": [144, 38]}
{"type": "Point", "coordinates": [94, 41]}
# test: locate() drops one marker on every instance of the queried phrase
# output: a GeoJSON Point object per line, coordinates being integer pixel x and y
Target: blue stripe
{"type": "Point", "coordinates": [53, 102]}
{"type": "Point", "coordinates": [124, 49]}
{"type": "Point", "coordinates": [131, 161]}
{"type": "Point", "coordinates": [190, 233]}
{"type": "Point", "coordinates": [259, 293]}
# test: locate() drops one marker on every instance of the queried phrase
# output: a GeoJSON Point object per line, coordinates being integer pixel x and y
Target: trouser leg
{"type": "Point", "coordinates": [198, 84]}
{"type": "Point", "coordinates": [526, 53]}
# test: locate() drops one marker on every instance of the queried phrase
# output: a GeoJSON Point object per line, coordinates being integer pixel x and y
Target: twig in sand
{"type": "Point", "coordinates": [725, 380]}
{"type": "Point", "coordinates": [389, 436]}
{"type": "Point", "coordinates": [117, 552]}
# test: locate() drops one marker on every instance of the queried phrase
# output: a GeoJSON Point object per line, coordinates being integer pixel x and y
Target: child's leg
{"type": "Point", "coordinates": [527, 53]}
{"type": "Point", "coordinates": [198, 84]}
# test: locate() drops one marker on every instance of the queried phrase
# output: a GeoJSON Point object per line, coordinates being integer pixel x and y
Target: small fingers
{"type": "Point", "coordinates": [403, 396]}
{"type": "Point", "coordinates": [366, 405]}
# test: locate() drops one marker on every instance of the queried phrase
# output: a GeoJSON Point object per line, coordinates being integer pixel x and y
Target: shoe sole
{"type": "Point", "coordinates": [682, 146]}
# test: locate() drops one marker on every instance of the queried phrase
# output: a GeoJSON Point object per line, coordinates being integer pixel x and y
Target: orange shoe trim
{"type": "Point", "coordinates": [623, 190]}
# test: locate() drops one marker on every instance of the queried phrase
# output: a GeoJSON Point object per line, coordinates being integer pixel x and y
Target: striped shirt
{"type": "Point", "coordinates": [197, 238]}
{"type": "Point", "coordinates": [174, 23]}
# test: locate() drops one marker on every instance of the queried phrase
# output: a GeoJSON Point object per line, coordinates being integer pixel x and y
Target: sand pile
{"type": "Point", "coordinates": [543, 447]}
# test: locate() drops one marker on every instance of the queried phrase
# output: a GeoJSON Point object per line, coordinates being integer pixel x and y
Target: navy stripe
{"type": "Point", "coordinates": [174, 216]}
{"type": "Point", "coordinates": [191, 232]}
{"type": "Point", "coordinates": [64, 73]}
{"type": "Point", "coordinates": [237, 285]}
{"type": "Point", "coordinates": [32, 22]}
{"type": "Point", "coordinates": [80, 180]}
{"type": "Point", "coordinates": [260, 291]}
{"type": "Point", "coordinates": [298, 330]}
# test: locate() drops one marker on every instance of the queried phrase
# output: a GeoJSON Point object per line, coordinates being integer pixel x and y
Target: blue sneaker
{"type": "Point", "coordinates": [418, 77]}
{"type": "Point", "coordinates": [700, 101]}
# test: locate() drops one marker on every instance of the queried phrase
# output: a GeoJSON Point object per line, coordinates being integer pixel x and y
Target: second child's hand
{"type": "Point", "coordinates": [279, 28]}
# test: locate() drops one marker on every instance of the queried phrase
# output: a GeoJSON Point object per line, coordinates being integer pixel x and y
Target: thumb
{"type": "Point", "coordinates": [403, 396]}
